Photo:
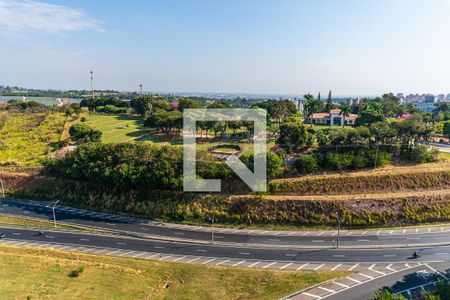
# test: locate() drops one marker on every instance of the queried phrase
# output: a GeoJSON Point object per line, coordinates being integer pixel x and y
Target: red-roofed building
{"type": "Point", "coordinates": [334, 117]}
{"type": "Point", "coordinates": [3, 104]}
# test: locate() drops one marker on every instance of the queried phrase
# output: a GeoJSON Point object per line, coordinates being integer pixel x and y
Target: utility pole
{"type": "Point", "coordinates": [338, 229]}
{"type": "Point", "coordinates": [53, 209]}
{"type": "Point", "coordinates": [92, 84]}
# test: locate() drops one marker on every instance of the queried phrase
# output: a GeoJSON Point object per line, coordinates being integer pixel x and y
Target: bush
{"type": "Point", "coordinates": [420, 154]}
{"type": "Point", "coordinates": [83, 119]}
{"type": "Point", "coordinates": [77, 272]}
{"type": "Point", "coordinates": [306, 164]}
{"type": "Point", "coordinates": [273, 167]}
{"type": "Point", "coordinates": [123, 166]}
{"type": "Point", "coordinates": [111, 109]}
{"type": "Point", "coordinates": [84, 132]}
{"type": "Point", "coordinates": [338, 161]}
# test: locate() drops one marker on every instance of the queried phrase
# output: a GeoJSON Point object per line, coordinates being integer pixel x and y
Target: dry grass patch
{"type": "Point", "coordinates": [44, 274]}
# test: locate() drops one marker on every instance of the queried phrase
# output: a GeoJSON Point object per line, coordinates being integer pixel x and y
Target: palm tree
{"type": "Point", "coordinates": [346, 109]}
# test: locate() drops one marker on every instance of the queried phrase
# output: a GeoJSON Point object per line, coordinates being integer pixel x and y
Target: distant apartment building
{"type": "Point", "coordinates": [333, 117]}
{"type": "Point", "coordinates": [425, 106]}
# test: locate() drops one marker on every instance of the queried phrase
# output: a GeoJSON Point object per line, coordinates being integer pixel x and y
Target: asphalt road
{"type": "Point", "coordinates": [371, 247]}
{"type": "Point", "coordinates": [306, 239]}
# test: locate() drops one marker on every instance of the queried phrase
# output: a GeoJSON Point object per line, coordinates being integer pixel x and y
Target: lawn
{"type": "Point", "coordinates": [29, 273]}
{"type": "Point", "coordinates": [25, 138]}
{"type": "Point", "coordinates": [117, 128]}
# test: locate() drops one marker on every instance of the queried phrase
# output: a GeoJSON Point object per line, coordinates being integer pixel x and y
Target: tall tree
{"type": "Point", "coordinates": [346, 109]}
{"type": "Point", "coordinates": [329, 105]}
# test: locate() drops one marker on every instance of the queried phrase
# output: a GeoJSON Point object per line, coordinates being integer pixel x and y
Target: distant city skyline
{"type": "Point", "coordinates": [286, 47]}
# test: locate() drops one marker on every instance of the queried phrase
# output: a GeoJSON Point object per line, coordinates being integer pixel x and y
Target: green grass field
{"type": "Point", "coordinates": [25, 138]}
{"type": "Point", "coordinates": [30, 273]}
{"type": "Point", "coordinates": [117, 128]}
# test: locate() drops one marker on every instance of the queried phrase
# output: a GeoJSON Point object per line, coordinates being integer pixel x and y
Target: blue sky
{"type": "Point", "coordinates": [352, 47]}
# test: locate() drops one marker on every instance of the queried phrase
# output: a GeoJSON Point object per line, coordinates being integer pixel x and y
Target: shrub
{"type": "Point", "coordinates": [111, 109]}
{"type": "Point", "coordinates": [420, 154]}
{"type": "Point", "coordinates": [83, 119]}
{"type": "Point", "coordinates": [77, 272]}
{"type": "Point", "coordinates": [274, 163]}
{"type": "Point", "coordinates": [338, 161]}
{"type": "Point", "coordinates": [122, 166]}
{"type": "Point", "coordinates": [306, 164]}
{"type": "Point", "coordinates": [84, 132]}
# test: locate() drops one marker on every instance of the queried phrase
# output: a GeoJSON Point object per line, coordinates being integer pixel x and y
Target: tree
{"type": "Point", "coordinates": [294, 136]}
{"type": "Point", "coordinates": [312, 105]}
{"type": "Point", "coordinates": [82, 131]}
{"type": "Point", "coordinates": [141, 105]}
{"type": "Point", "coordinates": [446, 130]}
{"type": "Point", "coordinates": [346, 110]}
{"type": "Point", "coordinates": [187, 104]}
{"type": "Point", "coordinates": [329, 105]}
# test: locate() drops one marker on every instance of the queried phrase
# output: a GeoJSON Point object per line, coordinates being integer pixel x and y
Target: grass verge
{"type": "Point", "coordinates": [48, 274]}
{"type": "Point", "coordinates": [29, 223]}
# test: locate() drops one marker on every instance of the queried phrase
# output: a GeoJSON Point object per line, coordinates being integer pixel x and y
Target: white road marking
{"type": "Point", "coordinates": [354, 266]}
{"type": "Point", "coordinates": [253, 264]}
{"type": "Point", "coordinates": [327, 290]}
{"type": "Point", "coordinates": [159, 247]}
{"type": "Point", "coordinates": [274, 240]}
{"type": "Point", "coordinates": [363, 240]}
{"type": "Point", "coordinates": [208, 261]}
{"type": "Point", "coordinates": [337, 266]}
{"type": "Point", "coordinates": [201, 250]}
{"type": "Point", "coordinates": [365, 275]}
{"type": "Point", "coordinates": [238, 263]}
{"type": "Point", "coordinates": [354, 280]}
{"type": "Point", "coordinates": [222, 262]}
{"type": "Point", "coordinates": [244, 253]}
{"type": "Point", "coordinates": [317, 241]}
{"type": "Point", "coordinates": [120, 243]}
{"type": "Point", "coordinates": [389, 268]}
{"type": "Point", "coordinates": [194, 259]}
{"type": "Point", "coordinates": [318, 267]}
{"type": "Point", "coordinates": [285, 266]}
{"type": "Point", "coordinates": [311, 295]}
{"type": "Point", "coordinates": [86, 240]}
{"type": "Point", "coordinates": [271, 264]}
{"type": "Point", "coordinates": [179, 258]}
{"type": "Point", "coordinates": [302, 266]}
{"type": "Point", "coordinates": [341, 284]}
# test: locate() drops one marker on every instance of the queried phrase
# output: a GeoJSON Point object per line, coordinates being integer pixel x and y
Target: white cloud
{"type": "Point", "coordinates": [26, 16]}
